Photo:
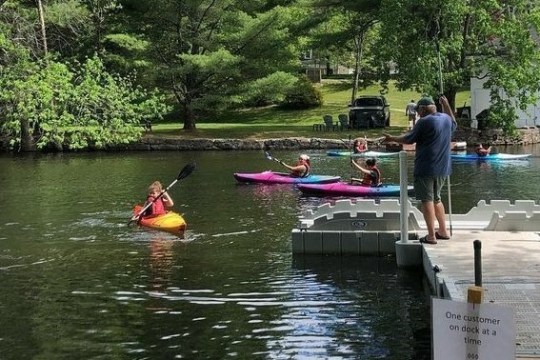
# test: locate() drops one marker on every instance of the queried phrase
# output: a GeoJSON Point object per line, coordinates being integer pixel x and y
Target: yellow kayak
{"type": "Point", "coordinates": [171, 222]}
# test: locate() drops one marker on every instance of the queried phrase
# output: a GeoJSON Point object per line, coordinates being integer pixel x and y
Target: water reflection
{"type": "Point", "coordinates": [161, 261]}
{"type": "Point", "coordinates": [77, 280]}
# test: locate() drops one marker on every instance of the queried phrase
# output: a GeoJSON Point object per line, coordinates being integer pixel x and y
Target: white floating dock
{"type": "Point", "coordinates": [510, 236]}
{"type": "Point", "coordinates": [372, 227]}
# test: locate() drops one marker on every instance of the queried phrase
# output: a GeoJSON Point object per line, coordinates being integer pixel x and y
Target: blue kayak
{"type": "Point", "coordinates": [361, 154]}
{"type": "Point", "coordinates": [491, 157]}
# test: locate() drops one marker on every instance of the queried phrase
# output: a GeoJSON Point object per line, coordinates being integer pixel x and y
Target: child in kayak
{"type": "Point", "coordinates": [360, 145]}
{"type": "Point", "coordinates": [158, 206]}
{"type": "Point", "coordinates": [481, 150]}
{"type": "Point", "coordinates": [302, 167]}
{"type": "Point", "coordinates": [372, 175]}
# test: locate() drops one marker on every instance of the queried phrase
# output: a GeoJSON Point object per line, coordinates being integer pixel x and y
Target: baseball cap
{"type": "Point", "coordinates": [304, 157]}
{"type": "Point", "coordinates": [425, 101]}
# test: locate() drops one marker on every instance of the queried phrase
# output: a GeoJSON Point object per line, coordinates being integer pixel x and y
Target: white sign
{"type": "Point", "coordinates": [466, 331]}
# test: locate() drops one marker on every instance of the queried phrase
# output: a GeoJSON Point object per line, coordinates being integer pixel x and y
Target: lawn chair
{"type": "Point", "coordinates": [343, 122]}
{"type": "Point", "coordinates": [329, 123]}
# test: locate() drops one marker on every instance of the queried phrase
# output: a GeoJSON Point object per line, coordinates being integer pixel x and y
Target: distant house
{"type": "Point", "coordinates": [315, 66]}
{"type": "Point", "coordinates": [480, 101]}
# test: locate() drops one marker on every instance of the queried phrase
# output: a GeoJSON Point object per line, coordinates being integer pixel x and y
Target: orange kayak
{"type": "Point", "coordinates": [171, 222]}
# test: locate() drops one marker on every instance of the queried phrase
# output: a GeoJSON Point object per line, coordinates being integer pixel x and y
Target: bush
{"type": "Point", "coordinates": [269, 90]}
{"type": "Point", "coordinates": [303, 95]}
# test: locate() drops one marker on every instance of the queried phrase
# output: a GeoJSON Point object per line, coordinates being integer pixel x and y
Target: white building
{"type": "Point", "coordinates": [480, 100]}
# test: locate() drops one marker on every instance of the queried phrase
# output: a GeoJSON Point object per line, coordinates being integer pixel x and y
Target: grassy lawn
{"type": "Point", "coordinates": [271, 122]}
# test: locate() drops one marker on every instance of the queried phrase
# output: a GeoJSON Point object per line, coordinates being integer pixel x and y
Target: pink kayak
{"type": "Point", "coordinates": [347, 189]}
{"type": "Point", "coordinates": [270, 177]}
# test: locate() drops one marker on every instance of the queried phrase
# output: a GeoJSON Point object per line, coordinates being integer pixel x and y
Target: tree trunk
{"type": "Point", "coordinates": [189, 116]}
{"type": "Point", "coordinates": [359, 47]}
{"type": "Point", "coordinates": [450, 94]}
{"type": "Point", "coordinates": [42, 23]}
{"type": "Point", "coordinates": [27, 142]}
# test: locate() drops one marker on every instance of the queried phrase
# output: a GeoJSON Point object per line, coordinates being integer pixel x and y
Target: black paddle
{"type": "Point", "coordinates": [185, 172]}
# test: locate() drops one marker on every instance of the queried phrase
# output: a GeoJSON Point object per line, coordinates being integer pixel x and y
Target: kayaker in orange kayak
{"type": "Point", "coordinates": [159, 203]}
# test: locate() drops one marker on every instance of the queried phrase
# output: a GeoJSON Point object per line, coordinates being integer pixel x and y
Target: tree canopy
{"type": "Point", "coordinates": [105, 66]}
{"type": "Point", "coordinates": [443, 44]}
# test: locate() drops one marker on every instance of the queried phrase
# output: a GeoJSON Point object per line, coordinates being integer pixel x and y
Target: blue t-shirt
{"type": "Point", "coordinates": [432, 135]}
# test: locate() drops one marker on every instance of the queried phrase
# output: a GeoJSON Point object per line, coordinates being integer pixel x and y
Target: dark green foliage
{"type": "Point", "coordinates": [303, 95]}
{"type": "Point", "coordinates": [269, 90]}
{"type": "Point", "coordinates": [76, 107]}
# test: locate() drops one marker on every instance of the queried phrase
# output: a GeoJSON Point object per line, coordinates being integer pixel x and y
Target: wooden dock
{"type": "Point", "coordinates": [510, 276]}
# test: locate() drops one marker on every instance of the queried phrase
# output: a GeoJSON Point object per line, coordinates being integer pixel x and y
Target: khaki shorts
{"type": "Point", "coordinates": [428, 189]}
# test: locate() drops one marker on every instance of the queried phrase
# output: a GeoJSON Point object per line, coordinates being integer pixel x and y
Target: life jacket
{"type": "Point", "coordinates": [480, 151]}
{"type": "Point", "coordinates": [360, 147]}
{"type": "Point", "coordinates": [304, 173]}
{"type": "Point", "coordinates": [157, 208]}
{"type": "Point", "coordinates": [368, 180]}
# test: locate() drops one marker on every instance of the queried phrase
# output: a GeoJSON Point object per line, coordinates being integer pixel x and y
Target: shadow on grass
{"type": "Point", "coordinates": [247, 131]}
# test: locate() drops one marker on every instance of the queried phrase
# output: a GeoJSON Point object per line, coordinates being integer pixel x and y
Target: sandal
{"type": "Point", "coordinates": [440, 237]}
{"type": "Point", "coordinates": [425, 240]}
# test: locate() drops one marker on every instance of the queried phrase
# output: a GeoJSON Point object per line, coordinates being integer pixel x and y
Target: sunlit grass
{"type": "Point", "coordinates": [273, 122]}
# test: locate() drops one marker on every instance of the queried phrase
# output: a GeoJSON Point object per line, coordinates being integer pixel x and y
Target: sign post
{"type": "Point", "coordinates": [472, 330]}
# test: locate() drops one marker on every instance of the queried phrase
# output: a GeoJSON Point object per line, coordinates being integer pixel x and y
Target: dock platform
{"type": "Point", "coordinates": [510, 276]}
{"type": "Point", "coordinates": [509, 234]}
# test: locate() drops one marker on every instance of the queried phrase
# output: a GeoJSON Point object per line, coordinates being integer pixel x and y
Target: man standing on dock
{"type": "Point", "coordinates": [432, 164]}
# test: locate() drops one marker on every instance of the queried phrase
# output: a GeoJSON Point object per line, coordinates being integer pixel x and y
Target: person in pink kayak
{"type": "Point", "coordinates": [158, 203]}
{"type": "Point", "coordinates": [301, 168]}
{"type": "Point", "coordinates": [371, 173]}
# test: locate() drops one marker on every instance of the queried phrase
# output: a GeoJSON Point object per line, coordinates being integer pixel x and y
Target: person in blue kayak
{"type": "Point", "coordinates": [481, 150]}
{"type": "Point", "coordinates": [360, 145]}
{"type": "Point", "coordinates": [371, 173]}
{"type": "Point", "coordinates": [158, 203]}
{"type": "Point", "coordinates": [302, 167]}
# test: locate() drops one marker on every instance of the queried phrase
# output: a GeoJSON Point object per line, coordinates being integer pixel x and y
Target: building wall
{"type": "Point", "coordinates": [480, 100]}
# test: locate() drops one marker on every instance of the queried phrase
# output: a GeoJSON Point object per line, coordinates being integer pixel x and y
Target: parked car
{"type": "Point", "coordinates": [369, 112]}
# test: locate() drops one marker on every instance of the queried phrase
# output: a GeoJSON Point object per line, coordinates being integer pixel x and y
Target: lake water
{"type": "Point", "coordinates": [77, 282]}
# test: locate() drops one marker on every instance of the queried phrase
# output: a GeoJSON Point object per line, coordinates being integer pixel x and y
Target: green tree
{"type": "Point", "coordinates": [441, 45]}
{"type": "Point", "coordinates": [206, 53]}
{"type": "Point", "coordinates": [50, 102]}
{"type": "Point", "coordinates": [347, 26]}
{"type": "Point", "coordinates": [74, 108]}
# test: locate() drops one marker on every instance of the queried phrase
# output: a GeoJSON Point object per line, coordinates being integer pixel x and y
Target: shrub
{"type": "Point", "coordinates": [269, 90]}
{"type": "Point", "coordinates": [303, 95]}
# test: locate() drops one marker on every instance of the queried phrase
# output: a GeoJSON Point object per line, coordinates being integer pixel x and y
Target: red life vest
{"type": "Point", "coordinates": [157, 208]}
{"type": "Point", "coordinates": [360, 147]}
{"type": "Point", "coordinates": [368, 179]}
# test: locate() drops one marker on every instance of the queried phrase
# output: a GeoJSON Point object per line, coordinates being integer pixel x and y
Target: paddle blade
{"type": "Point", "coordinates": [186, 170]}
{"type": "Point", "coordinates": [270, 157]}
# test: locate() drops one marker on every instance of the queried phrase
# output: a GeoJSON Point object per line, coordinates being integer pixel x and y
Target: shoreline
{"type": "Point", "coordinates": [152, 142]}
{"type": "Point", "coordinates": [156, 142]}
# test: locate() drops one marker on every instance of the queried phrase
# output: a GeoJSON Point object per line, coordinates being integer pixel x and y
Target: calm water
{"type": "Point", "coordinates": [77, 282]}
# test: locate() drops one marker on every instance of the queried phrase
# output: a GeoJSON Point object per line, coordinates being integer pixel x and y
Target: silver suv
{"type": "Point", "coordinates": [369, 112]}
